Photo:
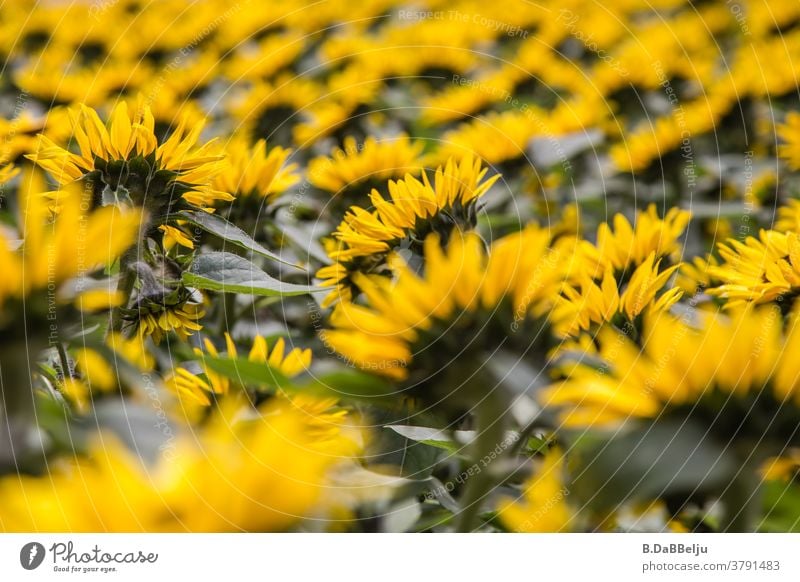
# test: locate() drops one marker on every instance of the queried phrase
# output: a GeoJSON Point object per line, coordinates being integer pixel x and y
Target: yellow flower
{"type": "Point", "coordinates": [783, 468]}
{"type": "Point", "coordinates": [757, 270]}
{"type": "Point", "coordinates": [374, 161]}
{"type": "Point", "coordinates": [173, 236]}
{"type": "Point", "coordinates": [95, 374]}
{"type": "Point", "coordinates": [131, 350]}
{"type": "Point", "coordinates": [198, 389]}
{"type": "Point", "coordinates": [7, 172]}
{"type": "Point", "coordinates": [73, 245]}
{"type": "Point", "coordinates": [694, 277]}
{"type": "Point", "coordinates": [415, 208]}
{"type": "Point", "coordinates": [629, 245]}
{"type": "Point", "coordinates": [543, 507]}
{"type": "Point", "coordinates": [591, 303]}
{"type": "Point", "coordinates": [252, 172]}
{"type": "Point", "coordinates": [269, 109]}
{"type": "Point", "coordinates": [129, 141]}
{"type": "Point", "coordinates": [262, 474]}
{"type": "Point", "coordinates": [715, 368]}
{"type": "Point", "coordinates": [95, 370]}
{"type": "Point", "coordinates": [788, 219]}
{"type": "Point", "coordinates": [645, 282]}
{"type": "Point", "coordinates": [460, 284]}
{"type": "Point", "coordinates": [495, 137]}
{"type": "Point", "coordinates": [157, 320]}
{"type": "Point", "coordinates": [790, 133]}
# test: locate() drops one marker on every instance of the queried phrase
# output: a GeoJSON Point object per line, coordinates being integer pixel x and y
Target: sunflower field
{"type": "Point", "coordinates": [393, 266]}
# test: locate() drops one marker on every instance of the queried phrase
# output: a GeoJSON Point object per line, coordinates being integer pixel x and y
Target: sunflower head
{"type": "Point", "coordinates": [588, 303]}
{"type": "Point", "coordinates": [7, 172]}
{"type": "Point", "coordinates": [414, 209]}
{"type": "Point", "coordinates": [126, 163]}
{"type": "Point", "coordinates": [160, 307]}
{"type": "Point", "coordinates": [437, 330]}
{"type": "Point", "coordinates": [736, 373]}
{"type": "Point", "coordinates": [61, 254]}
{"type": "Point", "coordinates": [625, 245]}
{"type": "Point", "coordinates": [542, 507]}
{"type": "Point", "coordinates": [758, 270]}
{"type": "Point", "coordinates": [358, 165]}
{"type": "Point", "coordinates": [255, 172]}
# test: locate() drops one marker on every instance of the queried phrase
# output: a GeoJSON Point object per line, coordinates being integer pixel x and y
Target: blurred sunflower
{"type": "Point", "coordinates": [790, 134]}
{"type": "Point", "coordinates": [99, 372]}
{"type": "Point", "coordinates": [372, 161]}
{"type": "Point", "coordinates": [7, 173]}
{"type": "Point", "coordinates": [590, 303]}
{"type": "Point", "coordinates": [626, 245]}
{"type": "Point", "coordinates": [758, 270]}
{"type": "Point", "coordinates": [738, 373]}
{"type": "Point", "coordinates": [466, 302]}
{"type": "Point", "coordinates": [261, 474]}
{"type": "Point", "coordinates": [788, 217]}
{"type": "Point", "coordinates": [495, 137]}
{"type": "Point", "coordinates": [198, 387]}
{"type": "Point", "coordinates": [255, 172]}
{"type": "Point", "coordinates": [58, 251]}
{"type": "Point", "coordinates": [543, 507]}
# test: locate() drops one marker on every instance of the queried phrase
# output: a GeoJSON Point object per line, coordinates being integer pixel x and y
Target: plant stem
{"type": "Point", "coordinates": [124, 286]}
{"type": "Point", "coordinates": [66, 370]}
{"type": "Point", "coordinates": [742, 498]}
{"type": "Point", "coordinates": [490, 433]}
{"type": "Point", "coordinates": [227, 313]}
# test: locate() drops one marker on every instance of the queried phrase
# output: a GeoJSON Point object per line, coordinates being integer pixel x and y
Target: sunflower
{"type": "Point", "coordinates": [175, 312]}
{"type": "Point", "coordinates": [591, 302]}
{"type": "Point", "coordinates": [627, 245]}
{"type": "Point", "coordinates": [461, 290]}
{"type": "Point", "coordinates": [255, 172]}
{"type": "Point", "coordinates": [56, 251]}
{"type": "Point", "coordinates": [97, 372]}
{"type": "Point", "coordinates": [371, 161]}
{"type": "Point", "coordinates": [265, 473]}
{"type": "Point", "coordinates": [495, 137]}
{"type": "Point", "coordinates": [757, 270]}
{"type": "Point", "coordinates": [459, 101]}
{"type": "Point", "coordinates": [160, 303]}
{"type": "Point", "coordinates": [790, 134]}
{"type": "Point", "coordinates": [274, 53]}
{"type": "Point", "coordinates": [269, 110]}
{"type": "Point", "coordinates": [127, 157]}
{"type": "Point", "coordinates": [7, 173]}
{"type": "Point", "coordinates": [788, 219]}
{"type": "Point", "coordinates": [543, 507]}
{"type": "Point", "coordinates": [414, 209]}
{"type": "Point", "coordinates": [739, 372]}
{"type": "Point", "coordinates": [785, 468]}
{"type": "Point", "coordinates": [198, 387]}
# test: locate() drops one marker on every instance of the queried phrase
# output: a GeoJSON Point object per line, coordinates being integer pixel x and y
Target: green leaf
{"type": "Point", "coordinates": [429, 436]}
{"type": "Point", "coordinates": [246, 372]}
{"type": "Point", "coordinates": [781, 507]}
{"type": "Point", "coordinates": [228, 232]}
{"type": "Point", "coordinates": [229, 273]}
{"type": "Point", "coordinates": [647, 463]}
{"type": "Point", "coordinates": [355, 385]}
{"type": "Point", "coordinates": [345, 385]}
